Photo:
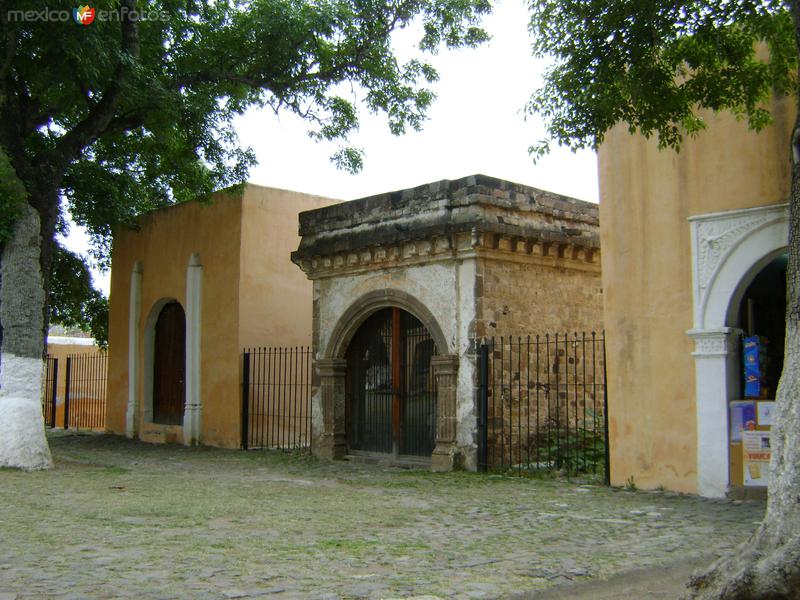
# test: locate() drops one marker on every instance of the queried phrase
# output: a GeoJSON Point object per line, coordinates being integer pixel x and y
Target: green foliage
{"type": "Point", "coordinates": [73, 301]}
{"type": "Point", "coordinates": [12, 195]}
{"type": "Point", "coordinates": [126, 115]}
{"type": "Point", "coordinates": [572, 448]}
{"type": "Point", "coordinates": [561, 447]}
{"type": "Point", "coordinates": [653, 64]}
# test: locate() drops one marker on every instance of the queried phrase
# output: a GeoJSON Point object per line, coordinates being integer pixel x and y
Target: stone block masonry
{"type": "Point", "coordinates": [473, 257]}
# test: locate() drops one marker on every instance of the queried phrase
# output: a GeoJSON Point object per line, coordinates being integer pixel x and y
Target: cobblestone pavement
{"type": "Point", "coordinates": [120, 519]}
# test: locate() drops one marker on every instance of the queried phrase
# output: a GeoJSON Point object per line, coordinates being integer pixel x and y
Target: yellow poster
{"type": "Point", "coordinates": [757, 454]}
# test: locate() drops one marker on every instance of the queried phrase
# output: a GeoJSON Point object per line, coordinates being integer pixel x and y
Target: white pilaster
{"type": "Point", "coordinates": [135, 307]}
{"type": "Point", "coordinates": [193, 409]}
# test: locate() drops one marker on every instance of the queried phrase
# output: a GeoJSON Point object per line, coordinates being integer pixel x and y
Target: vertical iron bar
{"type": "Point", "coordinates": [528, 402]}
{"type": "Point", "coordinates": [519, 404]}
{"type": "Point", "coordinates": [538, 386]}
{"type": "Point", "coordinates": [549, 419]}
{"type": "Point", "coordinates": [54, 394]}
{"type": "Point", "coordinates": [494, 402]}
{"type": "Point", "coordinates": [576, 454]}
{"type": "Point", "coordinates": [245, 399]}
{"type": "Point", "coordinates": [272, 394]}
{"type": "Point", "coordinates": [295, 368]}
{"type": "Point", "coordinates": [583, 394]}
{"type": "Point", "coordinates": [594, 397]}
{"type": "Point", "coordinates": [605, 413]}
{"type": "Point", "coordinates": [257, 405]}
{"type": "Point", "coordinates": [558, 407]}
{"type": "Point", "coordinates": [67, 383]}
{"type": "Point", "coordinates": [310, 405]}
{"type": "Point", "coordinates": [502, 402]}
{"type": "Point", "coordinates": [483, 406]}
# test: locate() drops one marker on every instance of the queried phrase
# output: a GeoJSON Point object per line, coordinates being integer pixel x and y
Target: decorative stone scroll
{"type": "Point", "coordinates": [715, 236]}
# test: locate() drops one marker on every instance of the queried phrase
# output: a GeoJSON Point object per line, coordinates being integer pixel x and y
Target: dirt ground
{"type": "Point", "coordinates": [121, 519]}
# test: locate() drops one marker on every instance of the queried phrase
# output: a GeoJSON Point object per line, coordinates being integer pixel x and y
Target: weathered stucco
{"type": "Point", "coordinates": [474, 253]}
{"type": "Point", "coordinates": [274, 296]}
{"type": "Point", "coordinates": [647, 197]}
{"type": "Point", "coordinates": [232, 254]}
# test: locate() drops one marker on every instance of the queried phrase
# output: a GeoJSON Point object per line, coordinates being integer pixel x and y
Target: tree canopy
{"type": "Point", "coordinates": [653, 64]}
{"type": "Point", "coordinates": [133, 111]}
{"type": "Point", "coordinates": [127, 105]}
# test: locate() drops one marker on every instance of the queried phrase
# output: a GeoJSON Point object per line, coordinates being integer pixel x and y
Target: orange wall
{"type": "Point", "coordinates": [275, 295]}
{"type": "Point", "coordinates": [252, 294]}
{"type": "Point", "coordinates": [164, 243]}
{"type": "Point", "coordinates": [60, 349]}
{"type": "Point", "coordinates": [646, 196]}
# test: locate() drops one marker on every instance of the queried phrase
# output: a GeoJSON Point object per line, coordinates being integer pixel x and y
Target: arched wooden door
{"type": "Point", "coordinates": [391, 397]}
{"type": "Point", "coordinates": [169, 365]}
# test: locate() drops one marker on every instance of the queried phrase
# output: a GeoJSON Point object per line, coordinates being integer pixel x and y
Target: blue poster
{"type": "Point", "coordinates": [752, 367]}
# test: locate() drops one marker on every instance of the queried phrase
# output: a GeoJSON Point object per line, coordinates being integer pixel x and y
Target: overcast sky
{"type": "Point", "coordinates": [476, 125]}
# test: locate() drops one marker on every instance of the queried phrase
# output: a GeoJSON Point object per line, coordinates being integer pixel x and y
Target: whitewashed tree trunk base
{"type": "Point", "coordinates": [22, 440]}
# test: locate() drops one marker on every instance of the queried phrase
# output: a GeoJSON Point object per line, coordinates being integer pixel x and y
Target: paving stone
{"type": "Point", "coordinates": [348, 530]}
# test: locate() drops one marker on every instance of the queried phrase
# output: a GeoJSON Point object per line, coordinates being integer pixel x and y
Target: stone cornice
{"type": "Point", "coordinates": [442, 248]}
{"type": "Point", "coordinates": [492, 211]}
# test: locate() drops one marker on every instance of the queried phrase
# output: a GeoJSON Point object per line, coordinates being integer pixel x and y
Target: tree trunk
{"type": "Point", "coordinates": [767, 566]}
{"type": "Point", "coordinates": [22, 302]}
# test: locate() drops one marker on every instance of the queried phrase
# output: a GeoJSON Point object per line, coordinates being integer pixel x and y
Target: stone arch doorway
{"type": "Point", "coordinates": [169, 365]}
{"type": "Point", "coordinates": [729, 250]}
{"type": "Point", "coordinates": [390, 387]}
{"type": "Point", "coordinates": [357, 360]}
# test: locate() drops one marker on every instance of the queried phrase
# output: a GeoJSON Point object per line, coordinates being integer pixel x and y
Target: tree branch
{"type": "Point", "coordinates": [99, 117]}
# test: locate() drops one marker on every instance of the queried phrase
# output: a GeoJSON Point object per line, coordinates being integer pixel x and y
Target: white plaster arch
{"type": "Point", "coordinates": [728, 251]}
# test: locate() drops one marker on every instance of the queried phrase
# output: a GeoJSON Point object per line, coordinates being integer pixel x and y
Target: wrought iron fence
{"type": "Point", "coordinates": [543, 403]}
{"type": "Point", "coordinates": [85, 391]}
{"type": "Point", "coordinates": [49, 400]}
{"type": "Point", "coordinates": [276, 397]}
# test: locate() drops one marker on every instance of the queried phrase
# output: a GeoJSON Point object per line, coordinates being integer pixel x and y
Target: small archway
{"type": "Point", "coordinates": [391, 394]}
{"type": "Point", "coordinates": [169, 365]}
{"type": "Point", "coordinates": [359, 380]}
{"type": "Point", "coordinates": [165, 363]}
{"type": "Point", "coordinates": [729, 250]}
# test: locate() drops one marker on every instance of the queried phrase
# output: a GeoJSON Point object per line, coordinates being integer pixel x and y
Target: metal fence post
{"type": "Point", "coordinates": [54, 392]}
{"type": "Point", "coordinates": [67, 381]}
{"type": "Point", "coordinates": [605, 414]}
{"type": "Point", "coordinates": [483, 406]}
{"type": "Point", "coordinates": [245, 399]}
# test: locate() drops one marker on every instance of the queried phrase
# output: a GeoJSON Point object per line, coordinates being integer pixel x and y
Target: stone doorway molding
{"type": "Point", "coordinates": [332, 368]}
{"type": "Point", "coordinates": [728, 251]}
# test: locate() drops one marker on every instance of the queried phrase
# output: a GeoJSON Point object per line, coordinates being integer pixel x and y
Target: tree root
{"type": "Point", "coordinates": [757, 570]}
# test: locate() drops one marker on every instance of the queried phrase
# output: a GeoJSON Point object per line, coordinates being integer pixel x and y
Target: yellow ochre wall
{"type": "Point", "coordinates": [163, 244]}
{"type": "Point", "coordinates": [252, 294]}
{"type": "Point", "coordinates": [646, 196]}
{"type": "Point", "coordinates": [275, 296]}
{"type": "Point", "coordinates": [60, 348]}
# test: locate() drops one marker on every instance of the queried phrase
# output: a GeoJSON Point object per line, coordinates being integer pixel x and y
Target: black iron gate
{"type": "Point", "coordinates": [276, 397]}
{"type": "Point", "coordinates": [50, 392]}
{"type": "Point", "coordinates": [543, 403]}
{"type": "Point", "coordinates": [85, 391]}
{"type": "Point", "coordinates": [83, 405]}
{"type": "Point", "coordinates": [391, 391]}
